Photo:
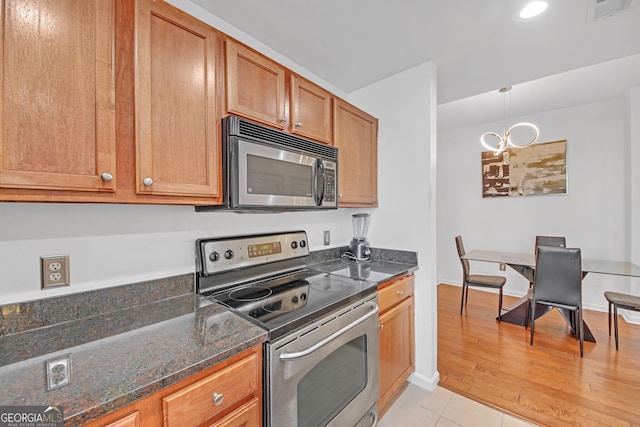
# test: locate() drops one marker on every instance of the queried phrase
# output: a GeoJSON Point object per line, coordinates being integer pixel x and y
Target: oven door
{"type": "Point", "coordinates": [268, 176]}
{"type": "Point", "coordinates": [326, 374]}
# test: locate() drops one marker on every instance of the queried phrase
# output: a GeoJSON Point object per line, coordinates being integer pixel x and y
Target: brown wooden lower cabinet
{"type": "Point", "coordinates": [226, 395]}
{"type": "Point", "coordinates": [131, 420]}
{"type": "Point", "coordinates": [245, 416]}
{"type": "Point", "coordinates": [396, 302]}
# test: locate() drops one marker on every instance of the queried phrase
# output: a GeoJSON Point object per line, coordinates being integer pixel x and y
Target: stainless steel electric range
{"type": "Point", "coordinates": [321, 357]}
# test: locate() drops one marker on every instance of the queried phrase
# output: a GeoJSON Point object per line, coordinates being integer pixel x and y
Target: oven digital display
{"type": "Point", "coordinates": [264, 249]}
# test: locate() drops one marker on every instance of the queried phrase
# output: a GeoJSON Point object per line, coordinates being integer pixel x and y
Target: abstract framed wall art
{"type": "Point", "coordinates": [535, 170]}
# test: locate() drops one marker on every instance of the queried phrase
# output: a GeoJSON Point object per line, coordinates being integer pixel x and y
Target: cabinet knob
{"type": "Point", "coordinates": [340, 195]}
{"type": "Point", "coordinates": [283, 119]}
{"type": "Point", "coordinates": [218, 398]}
{"type": "Point", "coordinates": [381, 326]}
{"type": "Point", "coordinates": [299, 124]}
{"type": "Point", "coordinates": [400, 293]}
{"type": "Point", "coordinates": [106, 177]}
{"type": "Point", "coordinates": [147, 182]}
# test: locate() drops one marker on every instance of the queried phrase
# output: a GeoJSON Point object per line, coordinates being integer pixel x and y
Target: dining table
{"type": "Point", "coordinates": [524, 263]}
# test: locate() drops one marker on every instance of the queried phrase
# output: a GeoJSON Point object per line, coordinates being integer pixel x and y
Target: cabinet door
{"type": "Point", "coordinates": [176, 130]}
{"type": "Point", "coordinates": [57, 95]}
{"type": "Point", "coordinates": [255, 86]}
{"type": "Point", "coordinates": [396, 349]}
{"type": "Point", "coordinates": [310, 110]}
{"type": "Point", "coordinates": [356, 137]}
{"type": "Point", "coordinates": [248, 415]}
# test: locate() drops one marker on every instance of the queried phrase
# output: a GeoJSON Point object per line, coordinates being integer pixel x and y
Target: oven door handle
{"type": "Point", "coordinates": [333, 336]}
{"type": "Point", "coordinates": [374, 416]}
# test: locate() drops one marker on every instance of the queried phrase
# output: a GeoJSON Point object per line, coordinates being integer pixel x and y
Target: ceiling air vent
{"type": "Point", "coordinates": [605, 8]}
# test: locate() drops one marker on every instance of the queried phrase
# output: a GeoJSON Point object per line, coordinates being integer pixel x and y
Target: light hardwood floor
{"type": "Point", "coordinates": [548, 383]}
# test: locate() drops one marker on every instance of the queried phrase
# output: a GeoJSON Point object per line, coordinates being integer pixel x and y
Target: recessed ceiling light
{"type": "Point", "coordinates": [533, 9]}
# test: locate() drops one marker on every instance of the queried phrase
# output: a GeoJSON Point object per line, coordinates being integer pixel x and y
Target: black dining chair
{"type": "Point", "coordinates": [477, 280]}
{"type": "Point", "coordinates": [617, 300]}
{"type": "Point", "coordinates": [557, 241]}
{"type": "Point", "coordinates": [558, 283]}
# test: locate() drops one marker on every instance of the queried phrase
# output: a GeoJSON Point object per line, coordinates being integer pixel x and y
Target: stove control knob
{"type": "Point", "coordinates": [214, 256]}
{"type": "Point", "coordinates": [294, 299]}
{"type": "Point", "coordinates": [294, 244]}
{"type": "Point", "coordinates": [303, 296]}
{"type": "Point", "coordinates": [303, 243]}
{"type": "Point", "coordinates": [228, 254]}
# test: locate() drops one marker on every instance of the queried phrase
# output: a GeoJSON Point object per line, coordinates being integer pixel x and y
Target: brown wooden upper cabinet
{"type": "Point", "coordinates": [57, 97]}
{"type": "Point", "coordinates": [255, 86]}
{"type": "Point", "coordinates": [176, 126]}
{"type": "Point", "coordinates": [120, 101]}
{"type": "Point", "coordinates": [256, 90]}
{"type": "Point", "coordinates": [356, 137]}
{"type": "Point", "coordinates": [310, 107]}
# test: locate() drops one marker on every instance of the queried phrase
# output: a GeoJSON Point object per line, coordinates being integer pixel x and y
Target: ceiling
{"type": "Point", "coordinates": [477, 46]}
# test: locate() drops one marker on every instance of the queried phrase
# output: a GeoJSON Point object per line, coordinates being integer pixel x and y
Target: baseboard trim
{"type": "Point", "coordinates": [628, 316]}
{"type": "Point", "coordinates": [425, 382]}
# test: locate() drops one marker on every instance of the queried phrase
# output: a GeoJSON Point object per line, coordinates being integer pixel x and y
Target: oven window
{"type": "Point", "coordinates": [277, 177]}
{"type": "Point", "coordinates": [325, 390]}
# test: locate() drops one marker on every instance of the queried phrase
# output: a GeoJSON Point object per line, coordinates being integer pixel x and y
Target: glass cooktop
{"type": "Point", "coordinates": [284, 303]}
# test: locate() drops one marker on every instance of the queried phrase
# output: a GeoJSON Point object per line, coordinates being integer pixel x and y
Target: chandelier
{"type": "Point", "coordinates": [505, 140]}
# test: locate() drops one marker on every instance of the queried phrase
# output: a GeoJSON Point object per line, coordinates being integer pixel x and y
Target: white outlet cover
{"type": "Point", "coordinates": [58, 371]}
{"type": "Point", "coordinates": [54, 271]}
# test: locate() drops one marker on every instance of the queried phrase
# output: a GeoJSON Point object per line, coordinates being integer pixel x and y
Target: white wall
{"type": "Point", "coordinates": [633, 131]}
{"type": "Point", "coordinates": [594, 215]}
{"type": "Point", "coordinates": [405, 106]}
{"type": "Point", "coordinates": [112, 245]}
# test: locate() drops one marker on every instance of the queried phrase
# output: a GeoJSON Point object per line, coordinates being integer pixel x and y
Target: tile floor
{"type": "Point", "coordinates": [443, 408]}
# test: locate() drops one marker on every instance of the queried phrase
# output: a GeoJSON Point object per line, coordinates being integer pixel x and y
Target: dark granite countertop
{"type": "Point", "coordinates": [385, 264]}
{"type": "Point", "coordinates": [130, 341]}
{"type": "Point", "coordinates": [118, 353]}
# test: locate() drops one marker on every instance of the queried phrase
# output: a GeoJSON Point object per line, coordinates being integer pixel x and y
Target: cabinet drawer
{"type": "Point", "coordinates": [248, 415]}
{"type": "Point", "coordinates": [395, 291]}
{"type": "Point", "coordinates": [131, 420]}
{"type": "Point", "coordinates": [194, 404]}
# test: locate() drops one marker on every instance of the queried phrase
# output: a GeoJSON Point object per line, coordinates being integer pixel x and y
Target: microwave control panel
{"type": "Point", "coordinates": [330, 187]}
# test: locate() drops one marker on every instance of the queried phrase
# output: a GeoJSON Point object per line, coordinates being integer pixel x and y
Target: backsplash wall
{"type": "Point", "coordinates": [111, 245]}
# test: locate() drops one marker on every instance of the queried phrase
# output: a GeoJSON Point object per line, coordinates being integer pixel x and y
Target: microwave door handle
{"type": "Point", "coordinates": [319, 177]}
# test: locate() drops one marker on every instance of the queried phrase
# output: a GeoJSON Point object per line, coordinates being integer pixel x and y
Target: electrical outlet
{"type": "Point", "coordinates": [327, 237]}
{"type": "Point", "coordinates": [58, 371]}
{"type": "Point", "coordinates": [55, 271]}
{"type": "Point", "coordinates": [503, 266]}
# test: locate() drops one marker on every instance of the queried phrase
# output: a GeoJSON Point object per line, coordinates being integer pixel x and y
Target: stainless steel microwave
{"type": "Point", "coordinates": [267, 169]}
